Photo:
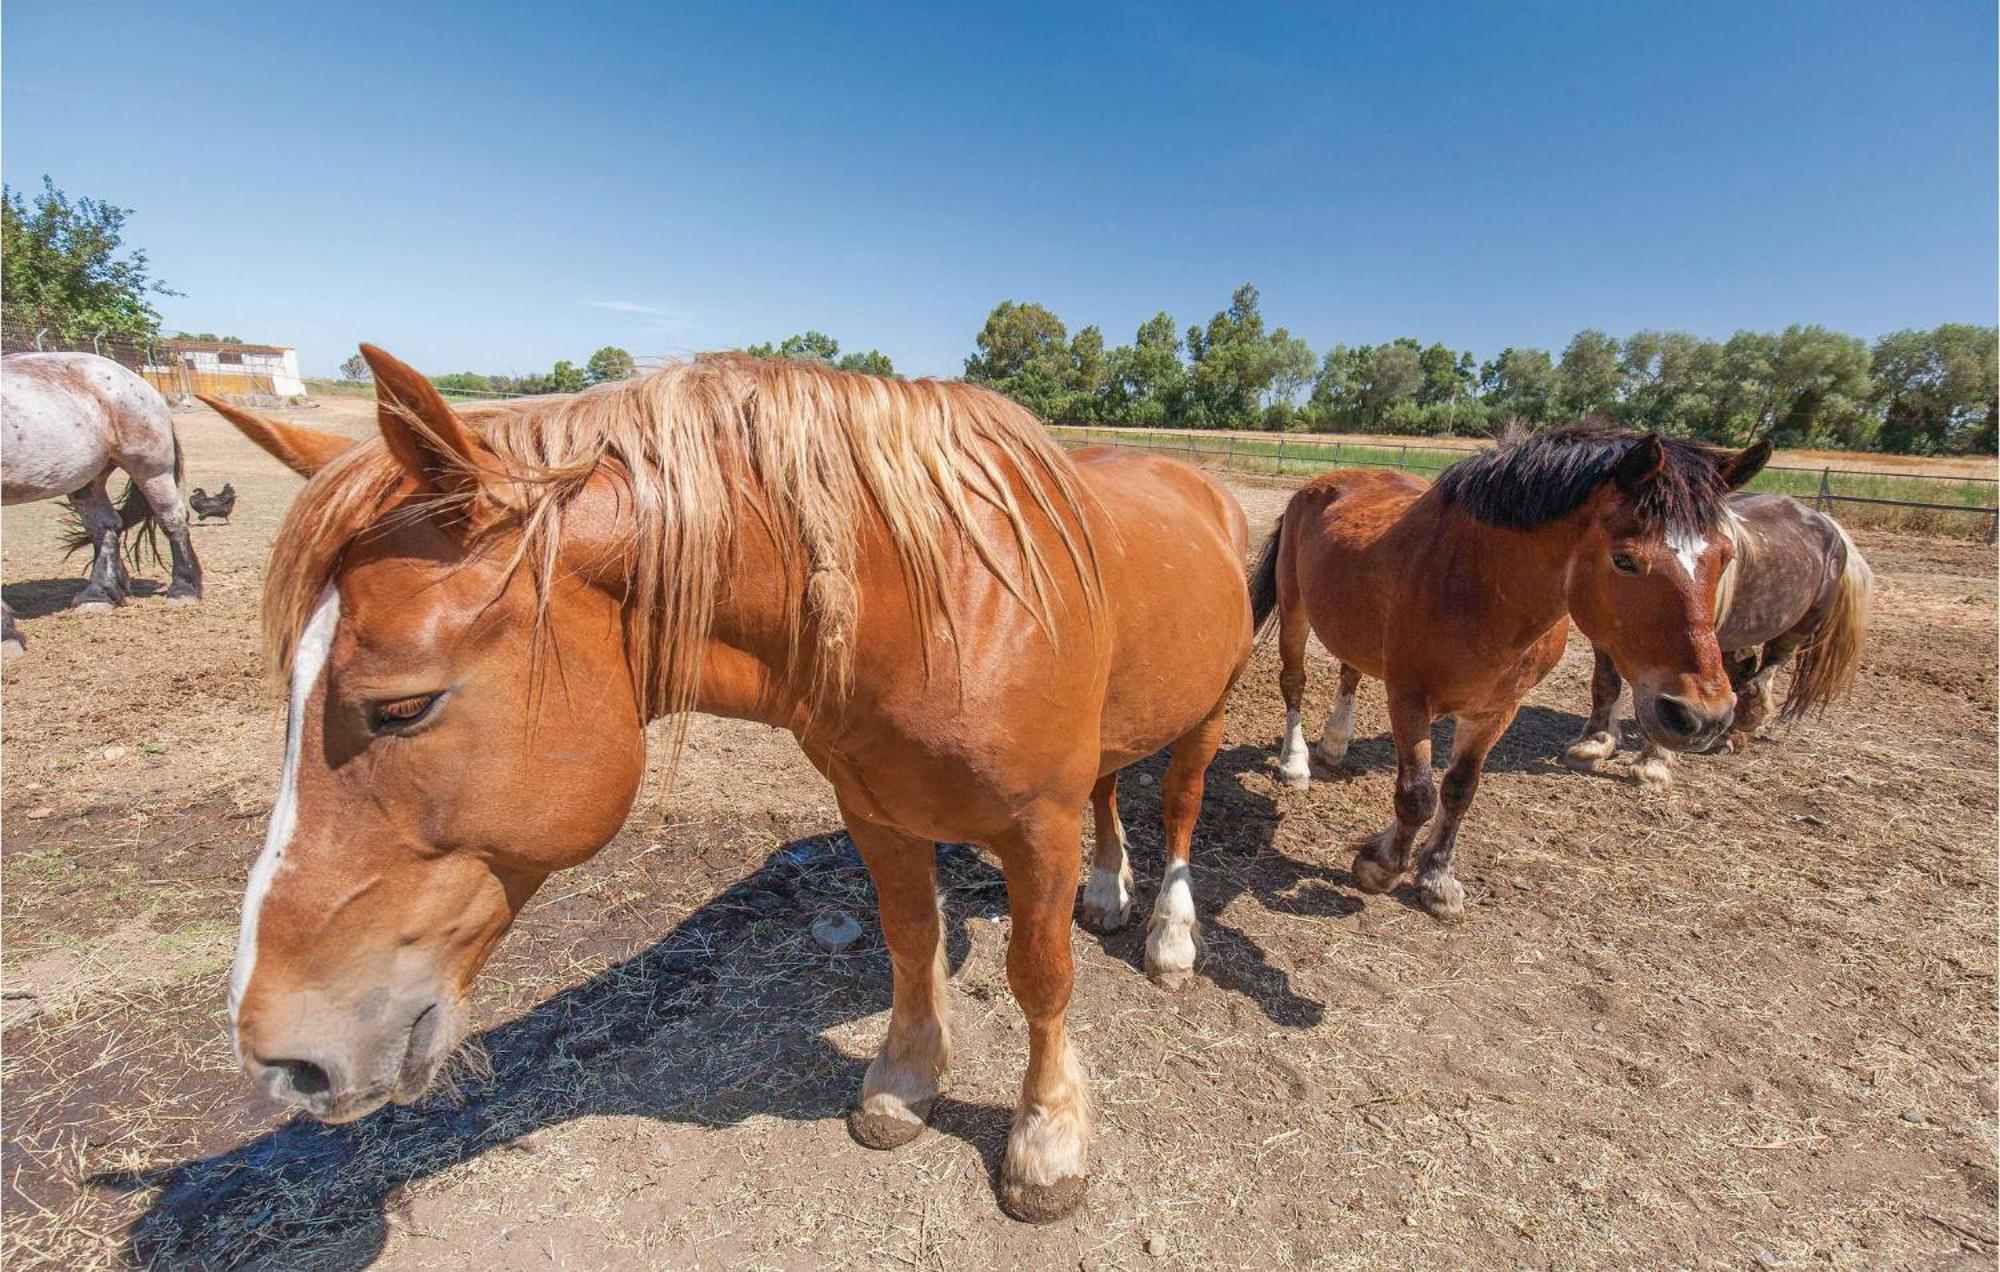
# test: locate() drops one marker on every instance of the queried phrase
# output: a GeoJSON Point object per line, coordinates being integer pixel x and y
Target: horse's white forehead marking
{"type": "Point", "coordinates": [1687, 549]}
{"type": "Point", "coordinates": [308, 662]}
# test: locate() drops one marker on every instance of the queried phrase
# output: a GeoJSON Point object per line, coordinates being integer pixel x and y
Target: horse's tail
{"type": "Point", "coordinates": [1827, 664]}
{"type": "Point", "coordinates": [1264, 581]}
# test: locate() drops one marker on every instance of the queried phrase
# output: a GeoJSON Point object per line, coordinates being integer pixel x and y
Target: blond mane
{"type": "Point", "coordinates": [824, 448]}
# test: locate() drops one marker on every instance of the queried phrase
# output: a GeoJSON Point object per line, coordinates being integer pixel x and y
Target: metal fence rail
{"type": "Point", "coordinates": [1281, 456]}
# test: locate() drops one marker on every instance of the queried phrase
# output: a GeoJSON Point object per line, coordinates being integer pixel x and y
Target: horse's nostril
{"type": "Point", "coordinates": [303, 1076]}
{"type": "Point", "coordinates": [1677, 718]}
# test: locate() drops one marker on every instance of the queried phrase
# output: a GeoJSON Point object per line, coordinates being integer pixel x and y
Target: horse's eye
{"type": "Point", "coordinates": [1623, 563]}
{"type": "Point", "coordinates": [401, 713]}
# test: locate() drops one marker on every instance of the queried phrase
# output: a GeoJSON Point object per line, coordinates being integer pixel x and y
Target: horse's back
{"type": "Point", "coordinates": [66, 415]}
{"type": "Point", "coordinates": [1788, 560]}
{"type": "Point", "coordinates": [1177, 610]}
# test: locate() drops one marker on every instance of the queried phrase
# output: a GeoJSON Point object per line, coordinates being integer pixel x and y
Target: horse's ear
{"type": "Point", "coordinates": [424, 433]}
{"type": "Point", "coordinates": [1641, 464]}
{"type": "Point", "coordinates": [1739, 468]}
{"type": "Point", "coordinates": [303, 450]}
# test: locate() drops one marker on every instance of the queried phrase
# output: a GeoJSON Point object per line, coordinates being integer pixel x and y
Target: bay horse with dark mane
{"type": "Point", "coordinates": [1458, 596]}
{"type": "Point", "coordinates": [1796, 584]}
{"type": "Point", "coordinates": [968, 631]}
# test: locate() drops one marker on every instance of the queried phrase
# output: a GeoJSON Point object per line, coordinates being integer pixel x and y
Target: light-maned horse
{"type": "Point", "coordinates": [968, 631]}
{"type": "Point", "coordinates": [67, 422]}
{"type": "Point", "coordinates": [1796, 585]}
{"type": "Point", "coordinates": [1458, 596]}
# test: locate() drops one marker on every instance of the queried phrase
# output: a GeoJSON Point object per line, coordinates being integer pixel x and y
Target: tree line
{"type": "Point", "coordinates": [67, 271]}
{"type": "Point", "coordinates": [1918, 391]}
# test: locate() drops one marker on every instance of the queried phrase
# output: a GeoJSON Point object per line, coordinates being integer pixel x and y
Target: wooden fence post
{"type": "Point", "coordinates": [1281, 457]}
{"type": "Point", "coordinates": [1823, 501]}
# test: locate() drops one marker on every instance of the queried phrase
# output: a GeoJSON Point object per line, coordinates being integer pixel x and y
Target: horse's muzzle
{"type": "Point", "coordinates": [1681, 724]}
{"type": "Point", "coordinates": [340, 1079]}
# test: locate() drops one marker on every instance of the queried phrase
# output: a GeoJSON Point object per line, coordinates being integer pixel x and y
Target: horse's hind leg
{"type": "Point", "coordinates": [1044, 1174]}
{"type": "Point", "coordinates": [163, 496]}
{"type": "Point", "coordinates": [1107, 893]}
{"type": "Point", "coordinates": [1294, 769]}
{"type": "Point", "coordinates": [903, 1078]}
{"type": "Point", "coordinates": [1437, 884]}
{"type": "Point", "coordinates": [1339, 730]}
{"type": "Point", "coordinates": [109, 583]}
{"type": "Point", "coordinates": [1173, 935]}
{"type": "Point", "coordinates": [1599, 740]}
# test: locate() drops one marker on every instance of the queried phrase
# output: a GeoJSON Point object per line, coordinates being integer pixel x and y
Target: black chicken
{"type": "Point", "coordinates": [220, 504]}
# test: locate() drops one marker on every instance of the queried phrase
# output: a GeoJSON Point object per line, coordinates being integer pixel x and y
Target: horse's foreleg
{"type": "Point", "coordinates": [1044, 1175]}
{"type": "Point", "coordinates": [12, 643]}
{"type": "Point", "coordinates": [903, 1078]}
{"type": "Point", "coordinates": [1599, 740]}
{"type": "Point", "coordinates": [163, 496]}
{"type": "Point", "coordinates": [109, 583]}
{"type": "Point", "coordinates": [1173, 936]}
{"type": "Point", "coordinates": [1756, 691]}
{"type": "Point", "coordinates": [1385, 858]}
{"type": "Point", "coordinates": [1437, 885]}
{"type": "Point", "coordinates": [1339, 730]}
{"type": "Point", "coordinates": [1107, 894]}
{"type": "Point", "coordinates": [1294, 769]}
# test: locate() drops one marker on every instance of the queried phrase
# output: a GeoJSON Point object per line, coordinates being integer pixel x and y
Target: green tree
{"type": "Point", "coordinates": [1936, 389]}
{"type": "Point", "coordinates": [63, 266]}
{"type": "Point", "coordinates": [566, 377]}
{"type": "Point", "coordinates": [1023, 352]}
{"type": "Point", "coordinates": [1822, 389]}
{"type": "Point", "coordinates": [873, 362]}
{"type": "Point", "coordinates": [463, 382]}
{"type": "Point", "coordinates": [1147, 381]}
{"type": "Point", "coordinates": [1590, 375]}
{"type": "Point", "coordinates": [1237, 370]}
{"type": "Point", "coordinates": [608, 363]}
{"type": "Point", "coordinates": [1519, 385]}
{"type": "Point", "coordinates": [355, 369]}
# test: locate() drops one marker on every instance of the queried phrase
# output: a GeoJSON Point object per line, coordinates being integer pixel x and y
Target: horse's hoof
{"type": "Point", "coordinates": [1107, 901]}
{"type": "Point", "coordinates": [12, 648]}
{"type": "Point", "coordinates": [1371, 876]}
{"type": "Point", "coordinates": [1586, 753]}
{"type": "Point", "coordinates": [871, 1129]}
{"type": "Point", "coordinates": [183, 596]}
{"type": "Point", "coordinates": [1737, 741]}
{"type": "Point", "coordinates": [93, 606]}
{"type": "Point", "coordinates": [1297, 779]}
{"type": "Point", "coordinates": [1043, 1203]}
{"type": "Point", "coordinates": [1169, 979]}
{"type": "Point", "coordinates": [1330, 757]}
{"type": "Point", "coordinates": [1654, 775]}
{"type": "Point", "coordinates": [1443, 899]}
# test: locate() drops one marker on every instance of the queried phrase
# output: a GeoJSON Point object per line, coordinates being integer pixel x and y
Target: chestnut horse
{"type": "Point", "coordinates": [1796, 585]}
{"type": "Point", "coordinates": [1458, 595]}
{"type": "Point", "coordinates": [968, 631]}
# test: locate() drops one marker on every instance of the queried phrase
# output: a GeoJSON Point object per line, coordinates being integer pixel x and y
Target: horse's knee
{"type": "Point", "coordinates": [1416, 799]}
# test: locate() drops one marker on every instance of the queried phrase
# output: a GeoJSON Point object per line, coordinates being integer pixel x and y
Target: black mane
{"type": "Point", "coordinates": [1529, 481]}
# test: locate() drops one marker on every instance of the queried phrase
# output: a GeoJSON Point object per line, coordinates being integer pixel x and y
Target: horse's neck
{"type": "Point", "coordinates": [1514, 582]}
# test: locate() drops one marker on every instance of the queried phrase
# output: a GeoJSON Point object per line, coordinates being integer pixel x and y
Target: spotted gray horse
{"type": "Point", "coordinates": [67, 421]}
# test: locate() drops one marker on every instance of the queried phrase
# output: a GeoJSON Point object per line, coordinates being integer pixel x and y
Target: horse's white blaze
{"type": "Point", "coordinates": [1170, 938]}
{"type": "Point", "coordinates": [1687, 549]}
{"type": "Point", "coordinates": [308, 662]}
{"type": "Point", "coordinates": [1292, 763]}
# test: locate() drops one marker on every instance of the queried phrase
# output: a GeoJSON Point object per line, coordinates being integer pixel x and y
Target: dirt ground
{"type": "Point", "coordinates": [1749, 1023]}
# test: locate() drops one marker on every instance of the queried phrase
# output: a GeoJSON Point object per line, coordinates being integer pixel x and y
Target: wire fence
{"type": "Point", "coordinates": [1956, 506]}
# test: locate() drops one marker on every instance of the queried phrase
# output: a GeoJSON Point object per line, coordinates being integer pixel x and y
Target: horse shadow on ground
{"type": "Point", "coordinates": [720, 1021]}
{"type": "Point", "coordinates": [39, 598]}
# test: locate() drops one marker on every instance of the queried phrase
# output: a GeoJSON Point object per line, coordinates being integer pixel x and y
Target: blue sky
{"type": "Point", "coordinates": [493, 187]}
